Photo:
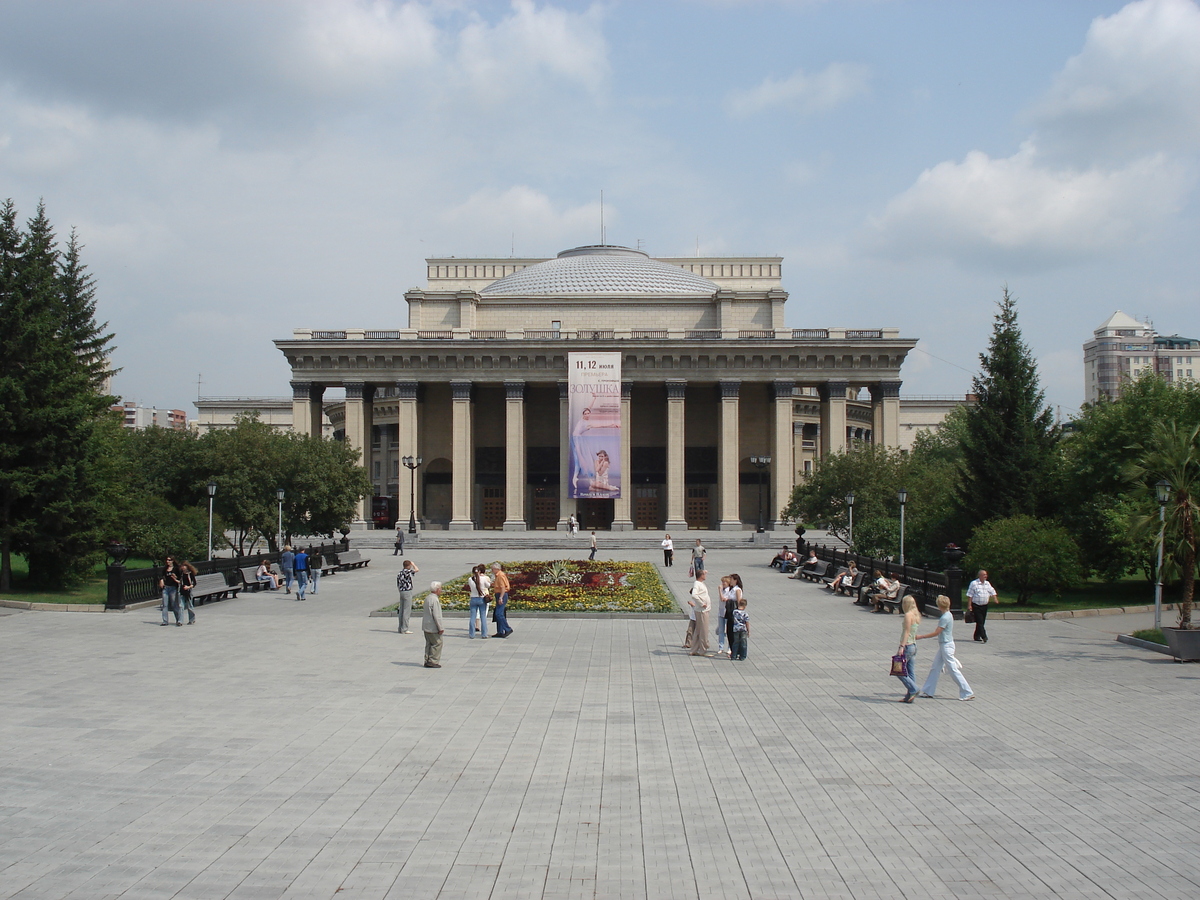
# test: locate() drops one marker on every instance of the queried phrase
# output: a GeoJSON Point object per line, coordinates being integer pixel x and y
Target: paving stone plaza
{"type": "Point", "coordinates": [280, 749]}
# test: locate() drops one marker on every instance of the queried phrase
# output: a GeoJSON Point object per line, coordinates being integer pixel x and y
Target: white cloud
{"type": "Point", "coordinates": [1133, 89]}
{"type": "Point", "coordinates": [802, 93]}
{"type": "Point", "coordinates": [1015, 210]}
{"type": "Point", "coordinates": [528, 214]}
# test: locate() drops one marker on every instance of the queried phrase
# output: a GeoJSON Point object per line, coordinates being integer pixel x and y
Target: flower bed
{"type": "Point", "coordinates": [569, 585]}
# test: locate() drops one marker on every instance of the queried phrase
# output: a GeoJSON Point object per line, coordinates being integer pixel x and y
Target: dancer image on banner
{"type": "Point", "coordinates": [596, 450]}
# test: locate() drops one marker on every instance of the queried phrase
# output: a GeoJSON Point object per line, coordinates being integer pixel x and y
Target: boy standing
{"type": "Point", "coordinates": [741, 629]}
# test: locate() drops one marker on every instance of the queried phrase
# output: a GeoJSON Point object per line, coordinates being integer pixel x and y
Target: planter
{"type": "Point", "coordinates": [1184, 644]}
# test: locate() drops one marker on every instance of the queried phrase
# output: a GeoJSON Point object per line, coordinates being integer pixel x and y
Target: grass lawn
{"type": "Point", "coordinates": [93, 590]}
{"type": "Point", "coordinates": [570, 586]}
{"type": "Point", "coordinates": [1130, 591]}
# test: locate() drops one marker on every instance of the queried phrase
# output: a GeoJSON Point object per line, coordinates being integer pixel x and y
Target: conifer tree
{"type": "Point", "coordinates": [1009, 438]}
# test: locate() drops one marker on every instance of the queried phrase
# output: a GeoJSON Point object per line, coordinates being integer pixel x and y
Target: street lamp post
{"type": "Point", "coordinates": [411, 464]}
{"type": "Point", "coordinates": [902, 496]}
{"type": "Point", "coordinates": [760, 463]}
{"type": "Point", "coordinates": [850, 510]}
{"type": "Point", "coordinates": [1162, 491]}
{"type": "Point", "coordinates": [212, 492]}
{"type": "Point", "coordinates": [279, 495]}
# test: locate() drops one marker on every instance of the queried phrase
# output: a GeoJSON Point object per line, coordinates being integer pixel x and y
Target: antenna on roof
{"type": "Point", "coordinates": [602, 238]}
{"type": "Point", "coordinates": [512, 250]}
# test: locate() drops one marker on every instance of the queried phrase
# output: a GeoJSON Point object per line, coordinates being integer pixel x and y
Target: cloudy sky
{"type": "Point", "coordinates": [240, 169]}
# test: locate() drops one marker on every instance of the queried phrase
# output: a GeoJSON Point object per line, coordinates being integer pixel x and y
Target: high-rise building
{"type": "Point", "coordinates": [136, 418]}
{"type": "Point", "coordinates": [1124, 348]}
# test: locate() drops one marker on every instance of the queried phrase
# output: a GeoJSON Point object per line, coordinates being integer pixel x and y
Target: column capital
{"type": "Point", "coordinates": [514, 390]}
{"type": "Point", "coordinates": [833, 390]}
{"type": "Point", "coordinates": [407, 390]}
{"type": "Point", "coordinates": [676, 390]}
{"type": "Point", "coordinates": [626, 390]}
{"type": "Point", "coordinates": [782, 390]}
{"type": "Point", "coordinates": [460, 390]}
{"type": "Point", "coordinates": [301, 390]}
{"type": "Point", "coordinates": [359, 390]}
{"type": "Point", "coordinates": [729, 389]}
{"type": "Point", "coordinates": [885, 390]}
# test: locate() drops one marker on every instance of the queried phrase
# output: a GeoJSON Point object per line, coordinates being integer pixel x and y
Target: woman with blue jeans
{"type": "Point", "coordinates": [908, 646]}
{"type": "Point", "coordinates": [169, 584]}
{"type": "Point", "coordinates": [479, 585]}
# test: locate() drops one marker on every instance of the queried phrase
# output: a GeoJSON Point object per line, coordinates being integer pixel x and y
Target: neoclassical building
{"type": "Point", "coordinates": [710, 379]}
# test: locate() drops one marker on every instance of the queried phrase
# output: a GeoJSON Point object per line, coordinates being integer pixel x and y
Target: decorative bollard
{"type": "Point", "coordinates": [117, 553]}
{"type": "Point", "coordinates": [953, 554]}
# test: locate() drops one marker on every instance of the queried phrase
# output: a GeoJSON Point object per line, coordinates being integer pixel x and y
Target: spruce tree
{"type": "Point", "coordinates": [1009, 438]}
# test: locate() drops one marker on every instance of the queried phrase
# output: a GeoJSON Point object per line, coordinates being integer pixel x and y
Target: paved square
{"type": "Point", "coordinates": [285, 749]}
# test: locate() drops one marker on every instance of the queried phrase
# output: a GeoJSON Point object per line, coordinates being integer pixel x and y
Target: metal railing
{"type": "Point", "coordinates": [649, 334]}
{"type": "Point", "coordinates": [329, 335]}
{"type": "Point", "coordinates": [382, 335]}
{"type": "Point", "coordinates": [756, 334]}
{"type": "Point", "coordinates": [864, 334]}
{"type": "Point", "coordinates": [703, 334]}
{"type": "Point", "coordinates": [488, 334]}
{"type": "Point", "coordinates": [440, 334]}
{"type": "Point", "coordinates": [923, 584]}
{"type": "Point", "coordinates": [542, 334]}
{"type": "Point", "coordinates": [603, 334]}
{"type": "Point", "coordinates": [810, 334]}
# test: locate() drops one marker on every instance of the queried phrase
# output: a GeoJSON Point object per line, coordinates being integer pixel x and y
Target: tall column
{"type": "Point", "coordinates": [885, 413]}
{"type": "Point", "coordinates": [728, 456]}
{"type": "Point", "coordinates": [565, 504]}
{"type": "Point", "coordinates": [514, 456]}
{"type": "Point", "coordinates": [462, 457]}
{"type": "Point", "coordinates": [360, 401]}
{"type": "Point", "coordinates": [623, 505]}
{"type": "Point", "coordinates": [833, 416]}
{"type": "Point", "coordinates": [676, 391]}
{"type": "Point", "coordinates": [784, 476]}
{"type": "Point", "coordinates": [409, 445]}
{"type": "Point", "coordinates": [307, 407]}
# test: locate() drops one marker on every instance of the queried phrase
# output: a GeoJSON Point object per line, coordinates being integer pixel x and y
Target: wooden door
{"type": "Point", "coordinates": [646, 509]}
{"type": "Point", "coordinates": [545, 508]}
{"type": "Point", "coordinates": [696, 508]}
{"type": "Point", "coordinates": [493, 507]}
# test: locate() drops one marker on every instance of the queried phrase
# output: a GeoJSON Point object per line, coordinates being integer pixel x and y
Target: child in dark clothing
{"type": "Point", "coordinates": [741, 629]}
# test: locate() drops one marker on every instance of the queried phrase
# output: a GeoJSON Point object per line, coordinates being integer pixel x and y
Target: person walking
{"type": "Point", "coordinates": [702, 604]}
{"type": "Point", "coordinates": [169, 585]}
{"type": "Point", "coordinates": [300, 567]}
{"type": "Point", "coordinates": [908, 646]}
{"type": "Point", "coordinates": [741, 630]}
{"type": "Point", "coordinates": [478, 585]}
{"type": "Point", "coordinates": [314, 571]}
{"type": "Point", "coordinates": [187, 581]}
{"type": "Point", "coordinates": [432, 626]}
{"type": "Point", "coordinates": [287, 560]}
{"type": "Point", "coordinates": [398, 545]}
{"type": "Point", "coordinates": [980, 592]}
{"type": "Point", "coordinates": [404, 584]}
{"type": "Point", "coordinates": [593, 553]}
{"type": "Point", "coordinates": [698, 555]}
{"type": "Point", "coordinates": [668, 547]}
{"type": "Point", "coordinates": [500, 588]}
{"type": "Point", "coordinates": [944, 658]}
{"type": "Point", "coordinates": [572, 525]}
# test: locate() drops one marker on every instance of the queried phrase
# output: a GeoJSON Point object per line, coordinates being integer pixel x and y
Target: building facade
{"type": "Point", "coordinates": [710, 379]}
{"type": "Point", "coordinates": [138, 418]}
{"type": "Point", "coordinates": [1123, 348]}
{"type": "Point", "coordinates": [221, 413]}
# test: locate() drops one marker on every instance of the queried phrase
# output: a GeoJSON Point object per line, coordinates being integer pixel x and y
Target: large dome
{"type": "Point", "coordinates": [600, 270]}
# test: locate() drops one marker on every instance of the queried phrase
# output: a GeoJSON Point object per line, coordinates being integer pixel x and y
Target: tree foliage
{"type": "Point", "coordinates": [53, 362]}
{"type": "Point", "coordinates": [1025, 554]}
{"type": "Point", "coordinates": [1009, 436]}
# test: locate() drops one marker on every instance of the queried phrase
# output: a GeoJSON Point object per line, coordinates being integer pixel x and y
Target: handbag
{"type": "Point", "coordinates": [969, 614]}
{"type": "Point", "coordinates": [899, 665]}
{"type": "Point", "coordinates": [691, 571]}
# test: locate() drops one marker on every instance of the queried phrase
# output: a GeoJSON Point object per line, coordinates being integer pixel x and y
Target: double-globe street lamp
{"type": "Point", "coordinates": [850, 510]}
{"type": "Point", "coordinates": [760, 463]}
{"type": "Point", "coordinates": [412, 463]}
{"type": "Point", "coordinates": [902, 496]}
{"type": "Point", "coordinates": [1162, 492]}
{"type": "Point", "coordinates": [212, 492]}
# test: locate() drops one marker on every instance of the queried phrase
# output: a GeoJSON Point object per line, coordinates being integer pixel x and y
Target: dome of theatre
{"type": "Point", "coordinates": [600, 270]}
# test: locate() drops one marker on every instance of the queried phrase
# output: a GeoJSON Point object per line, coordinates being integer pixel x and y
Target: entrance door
{"type": "Point", "coordinates": [493, 507]}
{"type": "Point", "coordinates": [596, 514]}
{"type": "Point", "coordinates": [545, 508]}
{"type": "Point", "coordinates": [696, 508]}
{"type": "Point", "coordinates": [645, 508]}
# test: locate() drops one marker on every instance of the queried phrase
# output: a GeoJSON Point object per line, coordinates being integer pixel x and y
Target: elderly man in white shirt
{"type": "Point", "coordinates": [980, 592]}
{"type": "Point", "coordinates": [701, 604]}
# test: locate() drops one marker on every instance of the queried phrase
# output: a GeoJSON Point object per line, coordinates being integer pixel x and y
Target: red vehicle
{"type": "Point", "coordinates": [383, 513]}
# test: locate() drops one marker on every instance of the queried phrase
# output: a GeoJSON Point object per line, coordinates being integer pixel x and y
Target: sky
{"type": "Point", "coordinates": [238, 169]}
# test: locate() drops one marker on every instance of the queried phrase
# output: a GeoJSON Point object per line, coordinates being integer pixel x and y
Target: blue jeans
{"type": "Point", "coordinates": [170, 602]}
{"type": "Point", "coordinates": [502, 629]}
{"type": "Point", "coordinates": [479, 607]}
{"type": "Point", "coordinates": [185, 602]}
{"type": "Point", "coordinates": [741, 642]}
{"type": "Point", "coordinates": [721, 633]}
{"type": "Point", "coordinates": [910, 656]}
{"type": "Point", "coordinates": [288, 577]}
{"type": "Point", "coordinates": [301, 582]}
{"type": "Point", "coordinates": [314, 575]}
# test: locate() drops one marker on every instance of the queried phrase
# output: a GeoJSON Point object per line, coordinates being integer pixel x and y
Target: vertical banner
{"type": "Point", "coordinates": [594, 388]}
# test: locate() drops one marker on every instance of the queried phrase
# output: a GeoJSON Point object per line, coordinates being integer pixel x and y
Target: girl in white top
{"type": "Point", "coordinates": [668, 546]}
{"type": "Point", "coordinates": [725, 594]}
{"type": "Point", "coordinates": [479, 586]}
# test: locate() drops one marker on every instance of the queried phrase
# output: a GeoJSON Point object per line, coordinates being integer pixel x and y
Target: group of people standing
{"type": "Point", "coordinates": [176, 585]}
{"type": "Point", "coordinates": [732, 619]}
{"type": "Point", "coordinates": [489, 595]}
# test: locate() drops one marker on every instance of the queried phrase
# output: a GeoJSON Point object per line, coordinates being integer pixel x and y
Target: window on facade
{"type": "Point", "coordinates": [377, 471]}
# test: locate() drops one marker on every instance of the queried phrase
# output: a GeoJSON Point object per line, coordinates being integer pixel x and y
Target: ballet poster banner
{"type": "Point", "coordinates": [594, 391]}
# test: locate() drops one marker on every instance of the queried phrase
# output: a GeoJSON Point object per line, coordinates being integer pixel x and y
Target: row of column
{"type": "Point", "coordinates": [307, 411]}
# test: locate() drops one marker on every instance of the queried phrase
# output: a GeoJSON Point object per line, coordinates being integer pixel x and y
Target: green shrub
{"type": "Point", "coordinates": [1025, 554]}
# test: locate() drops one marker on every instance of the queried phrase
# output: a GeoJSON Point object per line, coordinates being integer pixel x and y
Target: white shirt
{"type": "Point", "coordinates": [700, 595]}
{"type": "Point", "coordinates": [485, 585]}
{"type": "Point", "coordinates": [980, 592]}
{"type": "Point", "coordinates": [668, 544]}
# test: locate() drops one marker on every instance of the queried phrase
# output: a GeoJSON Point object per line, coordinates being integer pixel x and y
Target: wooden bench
{"type": "Point", "coordinates": [351, 559]}
{"type": "Point", "coordinates": [817, 572]}
{"type": "Point", "coordinates": [250, 580]}
{"type": "Point", "coordinates": [212, 587]}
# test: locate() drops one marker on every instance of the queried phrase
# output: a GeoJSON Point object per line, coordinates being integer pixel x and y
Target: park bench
{"type": "Point", "coordinates": [817, 572]}
{"type": "Point", "coordinates": [327, 563]}
{"type": "Point", "coordinates": [212, 587]}
{"type": "Point", "coordinates": [850, 588]}
{"type": "Point", "coordinates": [250, 580]}
{"type": "Point", "coordinates": [892, 604]}
{"type": "Point", "coordinates": [830, 579]}
{"type": "Point", "coordinates": [351, 559]}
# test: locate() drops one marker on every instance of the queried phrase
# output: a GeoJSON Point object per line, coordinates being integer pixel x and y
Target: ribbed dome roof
{"type": "Point", "coordinates": [601, 269]}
